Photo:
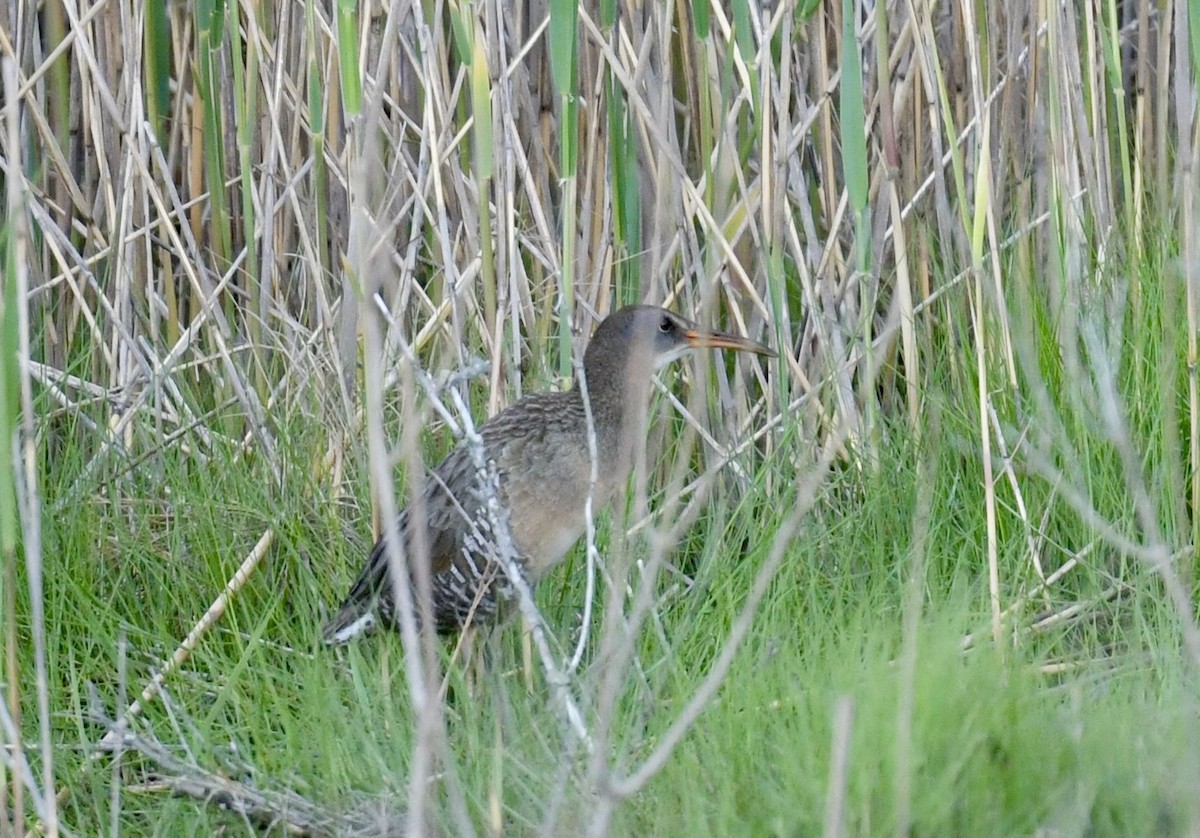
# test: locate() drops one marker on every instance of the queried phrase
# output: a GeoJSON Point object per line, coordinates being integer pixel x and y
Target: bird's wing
{"type": "Point", "coordinates": [447, 517]}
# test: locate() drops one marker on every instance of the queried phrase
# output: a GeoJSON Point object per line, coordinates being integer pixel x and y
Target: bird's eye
{"type": "Point", "coordinates": [665, 325]}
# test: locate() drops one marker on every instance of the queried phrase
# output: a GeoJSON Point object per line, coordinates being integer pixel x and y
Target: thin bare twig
{"type": "Point", "coordinates": [488, 486]}
{"type": "Point", "coordinates": [839, 768]}
{"type": "Point", "coordinates": [265, 809]}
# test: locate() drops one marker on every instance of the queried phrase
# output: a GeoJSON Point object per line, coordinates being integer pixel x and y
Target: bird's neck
{"type": "Point", "coordinates": [619, 402]}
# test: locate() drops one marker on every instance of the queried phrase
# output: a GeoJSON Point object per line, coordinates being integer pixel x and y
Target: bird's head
{"type": "Point", "coordinates": [646, 338]}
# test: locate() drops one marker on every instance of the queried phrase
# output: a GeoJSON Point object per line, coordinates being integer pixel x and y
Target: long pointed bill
{"type": "Point", "coordinates": [705, 339]}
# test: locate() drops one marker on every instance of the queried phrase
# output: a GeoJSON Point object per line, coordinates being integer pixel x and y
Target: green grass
{"type": "Point", "coordinates": [997, 746]}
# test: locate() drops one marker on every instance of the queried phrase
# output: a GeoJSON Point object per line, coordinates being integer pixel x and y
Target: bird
{"type": "Point", "coordinates": [540, 452]}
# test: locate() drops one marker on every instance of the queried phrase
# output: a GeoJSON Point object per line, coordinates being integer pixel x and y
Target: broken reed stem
{"type": "Point", "coordinates": [206, 622]}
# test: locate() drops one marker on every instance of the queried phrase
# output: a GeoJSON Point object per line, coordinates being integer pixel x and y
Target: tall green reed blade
{"type": "Point", "coordinates": [743, 33]}
{"type": "Point", "coordinates": [481, 106]}
{"type": "Point", "coordinates": [245, 103]}
{"type": "Point", "coordinates": [157, 63]}
{"type": "Point", "coordinates": [710, 98]}
{"type": "Point", "coordinates": [349, 71]}
{"type": "Point", "coordinates": [854, 133]}
{"type": "Point", "coordinates": [563, 39]}
{"type": "Point", "coordinates": [1112, 60]}
{"type": "Point", "coordinates": [805, 9]}
{"type": "Point", "coordinates": [626, 188]}
{"type": "Point", "coordinates": [316, 122]}
{"type": "Point", "coordinates": [702, 18]}
{"type": "Point", "coordinates": [357, 128]}
{"type": "Point", "coordinates": [627, 200]}
{"type": "Point", "coordinates": [210, 26]}
{"type": "Point", "coordinates": [58, 88]}
{"type": "Point", "coordinates": [854, 164]}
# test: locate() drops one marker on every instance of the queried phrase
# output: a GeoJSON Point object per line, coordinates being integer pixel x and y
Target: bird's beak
{"type": "Point", "coordinates": [706, 339]}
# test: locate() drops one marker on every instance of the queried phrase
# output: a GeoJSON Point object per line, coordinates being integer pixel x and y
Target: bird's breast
{"type": "Point", "coordinates": [547, 498]}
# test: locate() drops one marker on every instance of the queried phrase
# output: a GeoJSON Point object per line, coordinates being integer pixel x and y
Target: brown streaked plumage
{"type": "Point", "coordinates": [539, 448]}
